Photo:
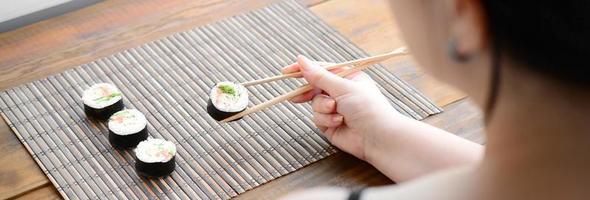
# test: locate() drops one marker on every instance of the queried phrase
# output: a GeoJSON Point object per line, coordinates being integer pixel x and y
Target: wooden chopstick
{"type": "Point", "coordinates": [329, 66]}
{"type": "Point", "coordinates": [296, 92]}
{"type": "Point", "coordinates": [325, 65]}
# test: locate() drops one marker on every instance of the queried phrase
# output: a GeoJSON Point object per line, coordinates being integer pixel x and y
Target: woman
{"type": "Point", "coordinates": [522, 62]}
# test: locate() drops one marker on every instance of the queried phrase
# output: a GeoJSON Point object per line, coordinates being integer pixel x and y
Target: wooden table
{"type": "Point", "coordinates": [53, 45]}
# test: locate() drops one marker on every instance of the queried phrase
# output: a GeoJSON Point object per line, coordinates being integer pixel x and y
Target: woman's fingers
{"type": "Point", "coordinates": [323, 104]}
{"type": "Point", "coordinates": [360, 77]}
{"type": "Point", "coordinates": [291, 68]}
{"type": "Point", "coordinates": [305, 97]}
{"type": "Point", "coordinates": [296, 67]}
{"type": "Point", "coordinates": [322, 129]}
{"type": "Point", "coordinates": [323, 79]}
{"type": "Point", "coordinates": [327, 120]}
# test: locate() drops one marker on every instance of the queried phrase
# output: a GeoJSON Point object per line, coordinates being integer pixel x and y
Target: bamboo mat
{"type": "Point", "coordinates": [169, 80]}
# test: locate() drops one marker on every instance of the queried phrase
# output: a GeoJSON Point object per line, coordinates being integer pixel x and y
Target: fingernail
{"type": "Point", "coordinates": [331, 104]}
{"type": "Point", "coordinates": [306, 63]}
{"type": "Point", "coordinates": [295, 99]}
{"type": "Point", "coordinates": [338, 119]}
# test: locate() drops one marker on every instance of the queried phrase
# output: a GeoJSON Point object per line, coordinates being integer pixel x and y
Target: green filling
{"type": "Point", "coordinates": [107, 98]}
{"type": "Point", "coordinates": [160, 147]}
{"type": "Point", "coordinates": [124, 114]}
{"type": "Point", "coordinates": [228, 89]}
{"type": "Point", "coordinates": [121, 113]}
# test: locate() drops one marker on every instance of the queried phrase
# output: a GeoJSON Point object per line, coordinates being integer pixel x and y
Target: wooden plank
{"type": "Point", "coordinates": [371, 26]}
{"type": "Point", "coordinates": [19, 172]}
{"type": "Point", "coordinates": [53, 45]}
{"type": "Point", "coordinates": [343, 170]}
{"type": "Point", "coordinates": [462, 118]}
{"type": "Point", "coordinates": [340, 169]}
{"type": "Point", "coordinates": [46, 192]}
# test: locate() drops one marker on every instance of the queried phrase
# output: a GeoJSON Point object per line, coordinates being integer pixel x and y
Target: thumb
{"type": "Point", "coordinates": [321, 78]}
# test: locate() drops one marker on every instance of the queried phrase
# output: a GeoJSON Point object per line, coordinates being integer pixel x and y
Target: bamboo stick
{"type": "Point", "coordinates": [330, 66]}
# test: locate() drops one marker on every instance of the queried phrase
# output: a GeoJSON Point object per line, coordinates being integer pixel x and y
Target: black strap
{"type": "Point", "coordinates": [355, 194]}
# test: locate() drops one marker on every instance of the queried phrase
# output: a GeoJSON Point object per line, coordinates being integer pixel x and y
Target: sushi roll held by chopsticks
{"type": "Point", "coordinates": [102, 100]}
{"type": "Point", "coordinates": [154, 158]}
{"type": "Point", "coordinates": [127, 128]}
{"type": "Point", "coordinates": [227, 99]}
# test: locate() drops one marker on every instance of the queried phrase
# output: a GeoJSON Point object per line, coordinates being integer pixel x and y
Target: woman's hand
{"type": "Point", "coordinates": [346, 111]}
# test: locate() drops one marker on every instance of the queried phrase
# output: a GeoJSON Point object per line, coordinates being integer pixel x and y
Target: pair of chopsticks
{"type": "Point", "coordinates": [358, 65]}
{"type": "Point", "coordinates": [330, 66]}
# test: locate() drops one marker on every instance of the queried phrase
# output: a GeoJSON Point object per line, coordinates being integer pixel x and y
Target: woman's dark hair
{"type": "Point", "coordinates": [549, 37]}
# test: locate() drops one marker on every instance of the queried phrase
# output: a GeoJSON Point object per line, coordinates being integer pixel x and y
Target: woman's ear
{"type": "Point", "coordinates": [468, 27]}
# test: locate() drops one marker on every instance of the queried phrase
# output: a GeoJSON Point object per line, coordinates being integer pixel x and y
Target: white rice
{"type": "Point", "coordinates": [155, 150]}
{"type": "Point", "coordinates": [228, 102]}
{"type": "Point", "coordinates": [127, 122]}
{"type": "Point", "coordinates": [101, 95]}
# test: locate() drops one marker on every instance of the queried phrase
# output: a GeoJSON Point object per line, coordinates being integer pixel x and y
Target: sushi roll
{"type": "Point", "coordinates": [155, 158]}
{"type": "Point", "coordinates": [102, 100]}
{"type": "Point", "coordinates": [127, 128]}
{"type": "Point", "coordinates": [227, 99]}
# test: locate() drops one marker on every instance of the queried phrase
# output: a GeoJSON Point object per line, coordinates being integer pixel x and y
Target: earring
{"type": "Point", "coordinates": [454, 52]}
